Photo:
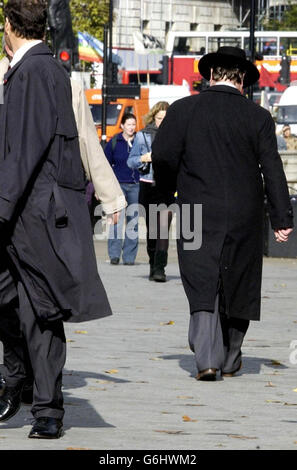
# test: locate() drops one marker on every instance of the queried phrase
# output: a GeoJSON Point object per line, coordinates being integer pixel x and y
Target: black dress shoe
{"type": "Point", "coordinates": [2, 385]}
{"type": "Point", "coordinates": [114, 260]}
{"type": "Point", "coordinates": [10, 401]}
{"type": "Point", "coordinates": [46, 428]}
{"type": "Point", "coordinates": [207, 375]}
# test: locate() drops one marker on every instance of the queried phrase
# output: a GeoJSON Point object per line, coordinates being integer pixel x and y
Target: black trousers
{"type": "Point", "coordinates": [148, 194]}
{"type": "Point", "coordinates": [33, 348]}
{"type": "Point", "coordinates": [216, 339]}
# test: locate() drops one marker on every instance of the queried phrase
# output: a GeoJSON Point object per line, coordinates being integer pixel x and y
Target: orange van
{"type": "Point", "coordinates": [116, 109]}
{"type": "Point", "coordinates": [149, 95]}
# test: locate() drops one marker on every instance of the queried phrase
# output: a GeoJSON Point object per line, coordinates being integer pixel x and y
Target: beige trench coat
{"type": "Point", "coordinates": [96, 165]}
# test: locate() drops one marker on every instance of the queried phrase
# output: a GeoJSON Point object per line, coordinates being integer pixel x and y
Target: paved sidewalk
{"type": "Point", "coordinates": [129, 379]}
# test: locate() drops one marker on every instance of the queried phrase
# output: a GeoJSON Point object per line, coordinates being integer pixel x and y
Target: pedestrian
{"type": "Point", "coordinates": [214, 148]}
{"type": "Point", "coordinates": [48, 264]}
{"type": "Point", "coordinates": [157, 228]}
{"type": "Point", "coordinates": [290, 139]}
{"type": "Point", "coordinates": [117, 152]}
{"type": "Point", "coordinates": [97, 170]}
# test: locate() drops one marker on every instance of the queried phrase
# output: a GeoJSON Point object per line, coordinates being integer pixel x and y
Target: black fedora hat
{"type": "Point", "coordinates": [229, 56]}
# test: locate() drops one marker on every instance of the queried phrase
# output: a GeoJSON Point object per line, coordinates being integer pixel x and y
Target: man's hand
{"type": "Point", "coordinates": [282, 235]}
{"type": "Point", "coordinates": [112, 219]}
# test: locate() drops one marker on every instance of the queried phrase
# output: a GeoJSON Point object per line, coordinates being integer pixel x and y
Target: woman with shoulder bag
{"type": "Point", "coordinates": [117, 152]}
{"type": "Point", "coordinates": [140, 159]}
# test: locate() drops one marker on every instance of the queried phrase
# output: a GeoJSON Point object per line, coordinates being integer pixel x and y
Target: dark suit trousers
{"type": "Point", "coordinates": [29, 343]}
{"type": "Point", "coordinates": [216, 339]}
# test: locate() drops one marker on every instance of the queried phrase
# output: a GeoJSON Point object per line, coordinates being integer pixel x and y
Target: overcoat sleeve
{"type": "Point", "coordinates": [31, 124]}
{"type": "Point", "coordinates": [276, 188]}
{"type": "Point", "coordinates": [168, 146]}
{"type": "Point", "coordinates": [97, 167]}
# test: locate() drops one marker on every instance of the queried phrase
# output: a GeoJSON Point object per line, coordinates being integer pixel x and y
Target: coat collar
{"type": "Point", "coordinates": [39, 49]}
{"type": "Point", "coordinates": [224, 89]}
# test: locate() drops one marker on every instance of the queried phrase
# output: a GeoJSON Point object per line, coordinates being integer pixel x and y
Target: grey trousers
{"type": "Point", "coordinates": [216, 339]}
{"type": "Point", "coordinates": [32, 348]}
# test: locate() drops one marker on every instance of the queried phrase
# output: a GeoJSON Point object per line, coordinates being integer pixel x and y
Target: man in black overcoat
{"type": "Point", "coordinates": [216, 149]}
{"type": "Point", "coordinates": [48, 271]}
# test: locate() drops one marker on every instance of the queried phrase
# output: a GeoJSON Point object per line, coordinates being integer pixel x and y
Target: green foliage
{"type": "Point", "coordinates": [287, 23]}
{"type": "Point", "coordinates": [1, 26]}
{"type": "Point", "coordinates": [89, 16]}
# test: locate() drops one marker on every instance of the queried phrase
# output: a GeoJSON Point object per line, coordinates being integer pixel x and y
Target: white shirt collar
{"type": "Point", "coordinates": [22, 51]}
{"type": "Point", "coordinates": [226, 84]}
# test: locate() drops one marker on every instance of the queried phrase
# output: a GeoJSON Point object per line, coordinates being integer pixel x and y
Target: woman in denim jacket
{"type": "Point", "coordinates": [140, 159]}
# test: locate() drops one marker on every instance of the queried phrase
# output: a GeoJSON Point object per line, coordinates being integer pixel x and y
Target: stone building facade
{"type": "Point", "coordinates": [157, 17]}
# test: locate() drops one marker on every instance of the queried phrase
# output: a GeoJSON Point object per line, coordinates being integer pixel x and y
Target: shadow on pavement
{"type": "Point", "coordinates": [78, 411]}
{"type": "Point", "coordinates": [250, 365]}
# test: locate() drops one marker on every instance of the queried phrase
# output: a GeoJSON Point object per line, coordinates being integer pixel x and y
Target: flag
{"type": "Point", "coordinates": [91, 49]}
{"type": "Point", "coordinates": [147, 44]}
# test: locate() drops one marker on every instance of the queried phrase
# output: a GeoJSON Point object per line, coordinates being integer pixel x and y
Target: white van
{"type": "Point", "coordinates": [287, 109]}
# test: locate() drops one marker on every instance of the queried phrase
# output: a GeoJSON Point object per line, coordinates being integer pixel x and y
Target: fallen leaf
{"type": "Point", "coordinates": [81, 332]}
{"type": "Point", "coordinates": [295, 390]}
{"type": "Point", "coordinates": [290, 404]}
{"type": "Point", "coordinates": [167, 323]}
{"type": "Point", "coordinates": [102, 381]}
{"type": "Point", "coordinates": [70, 341]}
{"type": "Point", "coordinates": [156, 359]}
{"type": "Point", "coordinates": [183, 397]}
{"type": "Point", "coordinates": [273, 401]}
{"type": "Point", "coordinates": [169, 432]}
{"type": "Point", "coordinates": [188, 419]}
{"type": "Point", "coordinates": [96, 388]}
{"type": "Point", "coordinates": [270, 384]}
{"type": "Point", "coordinates": [111, 371]}
{"type": "Point", "coordinates": [275, 363]}
{"type": "Point", "coordinates": [238, 436]}
{"type": "Point", "coordinates": [193, 404]}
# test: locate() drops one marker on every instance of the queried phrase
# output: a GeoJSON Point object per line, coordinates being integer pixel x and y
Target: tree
{"type": "Point", "coordinates": [1, 26]}
{"type": "Point", "coordinates": [287, 23]}
{"type": "Point", "coordinates": [89, 16]}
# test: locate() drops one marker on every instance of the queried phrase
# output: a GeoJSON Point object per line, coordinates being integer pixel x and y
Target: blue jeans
{"type": "Point", "coordinates": [128, 245]}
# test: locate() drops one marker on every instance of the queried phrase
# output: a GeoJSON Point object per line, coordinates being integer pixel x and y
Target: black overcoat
{"type": "Point", "coordinates": [214, 148]}
{"type": "Point", "coordinates": [42, 193]}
